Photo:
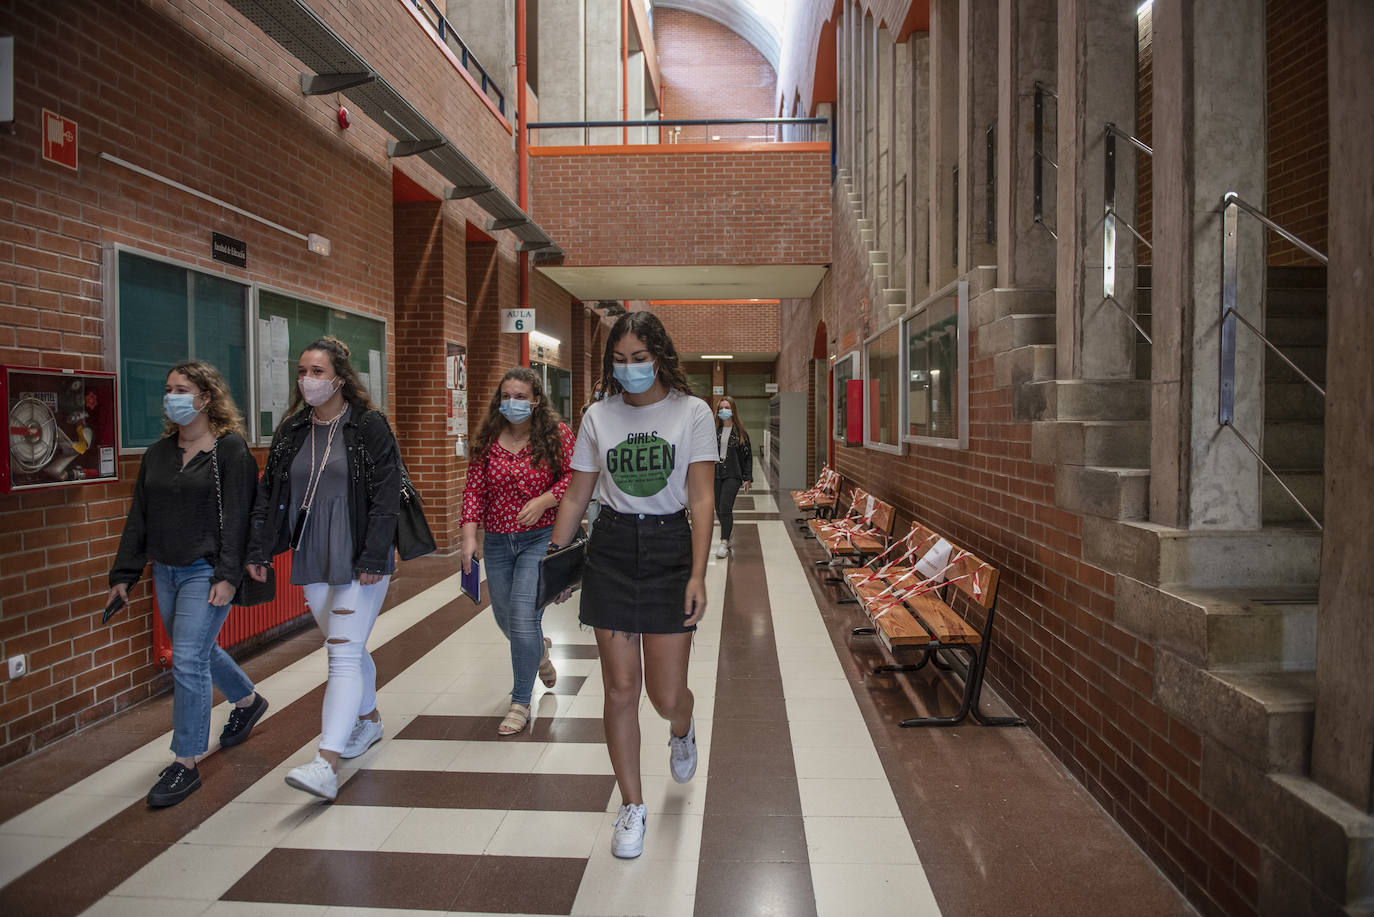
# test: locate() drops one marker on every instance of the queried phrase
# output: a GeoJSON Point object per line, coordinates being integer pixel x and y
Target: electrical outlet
{"type": "Point", "coordinates": [19, 666]}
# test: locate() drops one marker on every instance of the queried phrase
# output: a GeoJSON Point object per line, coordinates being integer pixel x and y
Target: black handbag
{"type": "Point", "coordinates": [561, 569]}
{"type": "Point", "coordinates": [250, 591]}
{"type": "Point", "coordinates": [413, 537]}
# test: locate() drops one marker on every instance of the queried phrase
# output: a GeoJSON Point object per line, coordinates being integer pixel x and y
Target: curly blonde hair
{"type": "Point", "coordinates": [222, 413]}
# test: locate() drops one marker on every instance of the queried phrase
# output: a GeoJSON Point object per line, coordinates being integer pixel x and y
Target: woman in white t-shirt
{"type": "Point", "coordinates": [652, 443]}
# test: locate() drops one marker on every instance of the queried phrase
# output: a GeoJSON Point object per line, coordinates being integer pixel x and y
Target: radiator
{"type": "Point", "coordinates": [243, 623]}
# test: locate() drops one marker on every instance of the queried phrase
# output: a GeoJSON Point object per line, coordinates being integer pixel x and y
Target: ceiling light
{"type": "Point", "coordinates": [717, 356]}
{"type": "Point", "coordinates": [544, 340]}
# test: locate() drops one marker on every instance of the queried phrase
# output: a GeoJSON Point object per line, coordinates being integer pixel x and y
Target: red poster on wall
{"type": "Point", "coordinates": [854, 412]}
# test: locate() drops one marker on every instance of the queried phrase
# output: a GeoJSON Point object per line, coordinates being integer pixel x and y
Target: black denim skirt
{"type": "Point", "coordinates": [637, 570]}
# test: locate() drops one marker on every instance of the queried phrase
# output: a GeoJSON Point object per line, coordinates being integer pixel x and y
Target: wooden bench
{"type": "Point", "coordinates": [821, 498]}
{"type": "Point", "coordinates": [929, 605]}
{"type": "Point", "coordinates": [862, 533]}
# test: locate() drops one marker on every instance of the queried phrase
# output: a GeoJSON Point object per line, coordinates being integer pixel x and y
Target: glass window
{"type": "Point", "coordinates": [558, 388]}
{"type": "Point", "coordinates": [844, 371]}
{"type": "Point", "coordinates": [167, 314]}
{"type": "Point", "coordinates": [937, 371]}
{"type": "Point", "coordinates": [700, 383]}
{"type": "Point", "coordinates": [883, 386]}
{"type": "Point", "coordinates": [746, 385]}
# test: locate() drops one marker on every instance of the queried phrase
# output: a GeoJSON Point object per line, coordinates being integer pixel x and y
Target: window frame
{"type": "Point", "coordinates": [958, 289]}
{"type": "Point", "coordinates": [853, 356]}
{"type": "Point", "coordinates": [899, 447]}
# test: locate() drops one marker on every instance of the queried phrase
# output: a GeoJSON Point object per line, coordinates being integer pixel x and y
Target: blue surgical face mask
{"type": "Point", "coordinates": [725, 414]}
{"type": "Point", "coordinates": [635, 377]}
{"type": "Point", "coordinates": [515, 411]}
{"type": "Point", "coordinates": [180, 408]}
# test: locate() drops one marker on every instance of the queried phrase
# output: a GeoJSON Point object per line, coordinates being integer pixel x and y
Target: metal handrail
{"type": "Point", "coordinates": [439, 22]}
{"type": "Point", "coordinates": [818, 130]}
{"type": "Point", "coordinates": [1232, 203]}
{"type": "Point", "coordinates": [1037, 171]}
{"type": "Point", "coordinates": [1110, 218]}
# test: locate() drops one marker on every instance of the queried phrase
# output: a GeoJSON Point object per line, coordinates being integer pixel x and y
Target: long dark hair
{"type": "Point", "coordinates": [648, 328]}
{"type": "Point", "coordinates": [741, 433]}
{"type": "Point", "coordinates": [221, 411]}
{"type": "Point", "coordinates": [546, 442]}
{"type": "Point", "coordinates": [354, 392]}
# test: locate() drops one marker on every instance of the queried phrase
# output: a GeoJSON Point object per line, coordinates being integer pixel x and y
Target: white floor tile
{"type": "Point", "coordinates": [250, 824]}
{"type": "Point", "coordinates": [664, 796]}
{"type": "Point", "coordinates": [496, 757]}
{"type": "Point", "coordinates": [831, 733]}
{"type": "Point", "coordinates": [851, 839]}
{"type": "Point", "coordinates": [848, 888]}
{"type": "Point", "coordinates": [574, 758]}
{"type": "Point", "coordinates": [642, 886]}
{"type": "Point", "coordinates": [668, 836]}
{"type": "Point", "coordinates": [546, 834]}
{"type": "Point", "coordinates": [264, 909]}
{"type": "Point", "coordinates": [146, 907]}
{"type": "Point", "coordinates": [847, 797]}
{"type": "Point", "coordinates": [856, 761]}
{"type": "Point", "coordinates": [196, 871]}
{"type": "Point", "coordinates": [341, 827]}
{"type": "Point", "coordinates": [454, 831]}
{"type": "Point", "coordinates": [69, 816]}
{"type": "Point", "coordinates": [412, 755]}
{"type": "Point", "coordinates": [20, 853]}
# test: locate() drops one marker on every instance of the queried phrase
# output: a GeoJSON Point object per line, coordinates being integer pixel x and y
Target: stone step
{"type": "Point", "coordinates": [1264, 718]}
{"type": "Point", "coordinates": [1112, 493]}
{"type": "Point", "coordinates": [1014, 331]}
{"type": "Point", "coordinates": [894, 296]}
{"type": "Point", "coordinates": [1114, 443]}
{"type": "Point", "coordinates": [1267, 628]}
{"type": "Point", "coordinates": [865, 223]}
{"type": "Point", "coordinates": [981, 279]}
{"type": "Point", "coordinates": [1034, 363]}
{"type": "Point", "coordinates": [1088, 399]}
{"type": "Point", "coordinates": [1311, 360]}
{"type": "Point", "coordinates": [1000, 302]}
{"type": "Point", "coordinates": [1292, 401]}
{"type": "Point", "coordinates": [1294, 443]}
{"type": "Point", "coordinates": [1154, 554]}
{"type": "Point", "coordinates": [877, 256]}
{"type": "Point", "coordinates": [1317, 849]}
{"type": "Point", "coordinates": [1277, 508]}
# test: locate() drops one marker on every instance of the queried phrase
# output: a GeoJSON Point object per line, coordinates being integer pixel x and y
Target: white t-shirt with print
{"type": "Point", "coordinates": [642, 453]}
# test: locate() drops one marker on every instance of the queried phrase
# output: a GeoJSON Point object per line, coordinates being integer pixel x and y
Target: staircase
{"type": "Point", "coordinates": [1294, 431]}
{"type": "Point", "coordinates": [888, 293]}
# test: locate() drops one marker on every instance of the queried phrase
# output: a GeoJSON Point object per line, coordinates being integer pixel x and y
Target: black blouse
{"type": "Point", "coordinates": [175, 515]}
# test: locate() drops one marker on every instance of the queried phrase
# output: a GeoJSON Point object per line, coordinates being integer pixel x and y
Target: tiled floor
{"type": "Point", "coordinates": [808, 798]}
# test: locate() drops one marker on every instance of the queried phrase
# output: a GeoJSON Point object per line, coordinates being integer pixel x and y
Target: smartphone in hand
{"type": "Point", "coordinates": [111, 609]}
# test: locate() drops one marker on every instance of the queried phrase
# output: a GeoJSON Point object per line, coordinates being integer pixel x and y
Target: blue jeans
{"type": "Point", "coordinates": [513, 583]}
{"type": "Point", "coordinates": [199, 664]}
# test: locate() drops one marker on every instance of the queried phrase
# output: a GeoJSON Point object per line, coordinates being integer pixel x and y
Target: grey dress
{"type": "Point", "coordinates": [325, 554]}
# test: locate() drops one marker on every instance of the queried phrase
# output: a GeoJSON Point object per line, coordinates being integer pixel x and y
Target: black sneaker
{"type": "Point", "coordinates": [241, 720]}
{"type": "Point", "coordinates": [175, 783]}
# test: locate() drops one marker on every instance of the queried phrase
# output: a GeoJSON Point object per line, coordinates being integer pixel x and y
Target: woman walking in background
{"type": "Point", "coordinates": [330, 493]}
{"type": "Point", "coordinates": [734, 469]}
{"type": "Point", "coordinates": [652, 445]}
{"type": "Point", "coordinates": [190, 518]}
{"type": "Point", "coordinates": [521, 467]}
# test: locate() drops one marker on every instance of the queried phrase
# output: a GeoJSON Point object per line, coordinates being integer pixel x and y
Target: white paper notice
{"type": "Point", "coordinates": [281, 339]}
{"type": "Point", "coordinates": [107, 461]}
{"type": "Point", "coordinates": [935, 560]}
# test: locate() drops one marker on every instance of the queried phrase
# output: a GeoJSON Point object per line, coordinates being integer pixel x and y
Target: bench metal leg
{"type": "Point", "coordinates": [863, 631]}
{"type": "Point", "coordinates": [973, 691]}
{"type": "Point", "coordinates": [846, 601]}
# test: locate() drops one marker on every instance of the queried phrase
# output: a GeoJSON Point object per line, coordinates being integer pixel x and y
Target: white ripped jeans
{"type": "Point", "coordinates": [352, 687]}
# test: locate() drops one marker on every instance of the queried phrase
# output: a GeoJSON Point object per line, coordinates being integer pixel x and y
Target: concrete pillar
{"type": "Point", "coordinates": [634, 96]}
{"type": "Point", "coordinates": [853, 144]}
{"type": "Point", "coordinates": [1343, 739]}
{"type": "Point", "coordinates": [977, 112]}
{"type": "Point", "coordinates": [843, 136]}
{"type": "Point", "coordinates": [1096, 84]}
{"type": "Point", "coordinates": [1209, 132]}
{"type": "Point", "coordinates": [944, 137]}
{"type": "Point", "coordinates": [869, 119]}
{"type": "Point", "coordinates": [1027, 44]}
{"type": "Point", "coordinates": [603, 67]}
{"type": "Point", "coordinates": [882, 140]}
{"type": "Point", "coordinates": [901, 166]}
{"type": "Point", "coordinates": [488, 29]}
{"type": "Point", "coordinates": [918, 174]}
{"type": "Point", "coordinates": [562, 71]}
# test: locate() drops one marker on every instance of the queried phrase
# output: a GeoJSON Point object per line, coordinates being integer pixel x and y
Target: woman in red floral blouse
{"type": "Point", "coordinates": [520, 468]}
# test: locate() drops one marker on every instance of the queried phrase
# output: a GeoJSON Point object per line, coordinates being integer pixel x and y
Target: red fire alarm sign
{"type": "Point", "coordinates": [59, 140]}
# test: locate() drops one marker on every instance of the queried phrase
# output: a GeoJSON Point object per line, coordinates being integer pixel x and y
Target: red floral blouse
{"type": "Point", "coordinates": [500, 485]}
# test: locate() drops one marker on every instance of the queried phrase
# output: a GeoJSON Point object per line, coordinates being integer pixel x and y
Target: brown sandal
{"type": "Point", "coordinates": [547, 673]}
{"type": "Point", "coordinates": [517, 717]}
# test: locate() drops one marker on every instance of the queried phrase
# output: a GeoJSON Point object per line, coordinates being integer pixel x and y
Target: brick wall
{"type": "Point", "coordinates": [193, 92]}
{"type": "Point", "coordinates": [630, 207]}
{"type": "Point", "coordinates": [711, 72]}
{"type": "Point", "coordinates": [718, 327]}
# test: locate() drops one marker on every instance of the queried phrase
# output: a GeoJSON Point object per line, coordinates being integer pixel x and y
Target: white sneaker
{"type": "Point", "coordinates": [682, 753]}
{"type": "Point", "coordinates": [316, 778]}
{"type": "Point", "coordinates": [365, 734]}
{"type": "Point", "coordinates": [724, 549]}
{"type": "Point", "coordinates": [627, 840]}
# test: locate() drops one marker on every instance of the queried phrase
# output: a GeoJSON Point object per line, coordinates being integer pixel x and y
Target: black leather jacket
{"type": "Point", "coordinates": [374, 490]}
{"type": "Point", "coordinates": [739, 458]}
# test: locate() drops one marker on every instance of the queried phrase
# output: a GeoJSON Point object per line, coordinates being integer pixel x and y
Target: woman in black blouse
{"type": "Point", "coordinates": [190, 518]}
{"type": "Point", "coordinates": [734, 469]}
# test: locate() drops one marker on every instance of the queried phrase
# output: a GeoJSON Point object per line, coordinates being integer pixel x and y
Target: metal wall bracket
{"type": "Point", "coordinates": [494, 225]}
{"type": "Point", "coordinates": [453, 193]}
{"type": "Point", "coordinates": [395, 149]}
{"type": "Point", "coordinates": [318, 84]}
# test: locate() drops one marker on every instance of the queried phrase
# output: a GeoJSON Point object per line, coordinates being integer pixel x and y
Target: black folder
{"type": "Point", "coordinates": [561, 569]}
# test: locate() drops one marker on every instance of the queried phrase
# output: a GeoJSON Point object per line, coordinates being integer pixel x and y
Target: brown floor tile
{"type": "Point", "coordinates": [746, 889]}
{"type": "Point", "coordinates": [425, 881]}
{"type": "Point", "coordinates": [749, 697]}
{"type": "Point", "coordinates": [753, 794]}
{"type": "Point", "coordinates": [521, 885]}
{"type": "Point", "coordinates": [75, 877]}
{"type": "Point", "coordinates": [573, 651]}
{"type": "Point", "coordinates": [469, 790]}
{"type": "Point", "coordinates": [743, 761]}
{"type": "Point", "coordinates": [753, 838]}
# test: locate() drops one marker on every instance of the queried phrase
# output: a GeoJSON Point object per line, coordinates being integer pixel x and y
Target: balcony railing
{"type": "Point", "coordinates": [703, 130]}
{"type": "Point", "coordinates": [435, 17]}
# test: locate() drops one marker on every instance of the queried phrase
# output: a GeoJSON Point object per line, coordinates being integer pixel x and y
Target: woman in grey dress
{"type": "Point", "coordinates": [330, 494]}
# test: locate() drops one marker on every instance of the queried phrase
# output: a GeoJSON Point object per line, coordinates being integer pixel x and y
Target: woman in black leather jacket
{"type": "Point", "coordinates": [330, 493]}
{"type": "Point", "coordinates": [734, 469]}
